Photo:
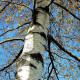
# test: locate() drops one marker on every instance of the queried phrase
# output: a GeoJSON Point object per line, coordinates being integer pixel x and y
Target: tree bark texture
{"type": "Point", "coordinates": [30, 64]}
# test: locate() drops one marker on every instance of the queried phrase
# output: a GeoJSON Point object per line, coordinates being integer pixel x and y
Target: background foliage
{"type": "Point", "coordinates": [15, 17]}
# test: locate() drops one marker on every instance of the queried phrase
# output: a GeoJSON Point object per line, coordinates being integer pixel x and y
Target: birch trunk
{"type": "Point", "coordinates": [30, 65]}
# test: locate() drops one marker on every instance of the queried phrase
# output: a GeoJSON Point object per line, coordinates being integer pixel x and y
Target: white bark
{"type": "Point", "coordinates": [31, 60]}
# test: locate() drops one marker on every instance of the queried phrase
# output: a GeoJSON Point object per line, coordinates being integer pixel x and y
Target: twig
{"type": "Point", "coordinates": [12, 61]}
{"type": "Point", "coordinates": [51, 58]}
{"type": "Point", "coordinates": [67, 10]}
{"type": "Point", "coordinates": [62, 48]}
{"type": "Point", "coordinates": [52, 1]}
{"type": "Point", "coordinates": [14, 28]}
{"type": "Point", "coordinates": [8, 40]}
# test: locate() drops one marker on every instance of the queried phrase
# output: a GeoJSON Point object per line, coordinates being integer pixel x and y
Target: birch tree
{"type": "Point", "coordinates": [36, 32]}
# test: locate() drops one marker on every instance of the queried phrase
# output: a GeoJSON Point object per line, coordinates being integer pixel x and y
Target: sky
{"type": "Point", "coordinates": [69, 43]}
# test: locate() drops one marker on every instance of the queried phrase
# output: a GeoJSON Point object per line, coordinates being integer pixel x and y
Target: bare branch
{"type": "Point", "coordinates": [18, 4]}
{"type": "Point", "coordinates": [4, 7]}
{"type": "Point", "coordinates": [52, 1]}
{"type": "Point", "coordinates": [12, 61]}
{"type": "Point", "coordinates": [11, 40]}
{"type": "Point", "coordinates": [22, 5]}
{"type": "Point", "coordinates": [62, 48]}
{"type": "Point", "coordinates": [67, 10]}
{"type": "Point", "coordinates": [52, 59]}
{"type": "Point", "coordinates": [63, 57]}
{"type": "Point", "coordinates": [14, 28]}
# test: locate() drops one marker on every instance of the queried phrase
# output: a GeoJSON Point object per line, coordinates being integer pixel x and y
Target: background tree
{"type": "Point", "coordinates": [61, 60]}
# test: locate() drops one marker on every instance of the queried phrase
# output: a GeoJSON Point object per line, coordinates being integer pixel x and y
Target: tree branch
{"type": "Point", "coordinates": [12, 61]}
{"type": "Point", "coordinates": [34, 7]}
{"type": "Point", "coordinates": [52, 1]}
{"type": "Point", "coordinates": [11, 40]}
{"type": "Point", "coordinates": [63, 57]}
{"type": "Point", "coordinates": [67, 10]}
{"type": "Point", "coordinates": [52, 59]}
{"type": "Point", "coordinates": [62, 48]}
{"type": "Point", "coordinates": [18, 4]}
{"type": "Point", "coordinates": [14, 28]}
{"type": "Point", "coordinates": [4, 7]}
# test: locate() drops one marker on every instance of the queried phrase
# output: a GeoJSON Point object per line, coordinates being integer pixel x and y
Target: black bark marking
{"type": "Point", "coordinates": [46, 9]}
{"type": "Point", "coordinates": [38, 57]}
{"type": "Point", "coordinates": [43, 45]}
{"type": "Point", "coordinates": [36, 23]}
{"type": "Point", "coordinates": [42, 34]}
{"type": "Point", "coordinates": [34, 16]}
{"type": "Point", "coordinates": [32, 65]}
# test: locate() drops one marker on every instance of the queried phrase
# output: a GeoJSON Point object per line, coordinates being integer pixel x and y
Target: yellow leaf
{"type": "Point", "coordinates": [75, 78]}
{"type": "Point", "coordinates": [8, 61]}
{"type": "Point", "coordinates": [10, 17]}
{"type": "Point", "coordinates": [18, 5]}
{"type": "Point", "coordinates": [8, 28]}
{"type": "Point", "coordinates": [7, 19]}
{"type": "Point", "coordinates": [66, 23]}
{"type": "Point", "coordinates": [70, 46]}
{"type": "Point", "coordinates": [57, 17]}
{"type": "Point", "coordinates": [6, 23]}
{"type": "Point", "coordinates": [17, 63]}
{"type": "Point", "coordinates": [52, 48]}
{"type": "Point", "coordinates": [68, 29]}
{"type": "Point", "coordinates": [8, 11]}
{"type": "Point", "coordinates": [19, 11]}
{"type": "Point", "coordinates": [73, 69]}
{"type": "Point", "coordinates": [22, 7]}
{"type": "Point", "coordinates": [10, 5]}
{"type": "Point", "coordinates": [26, 15]}
{"type": "Point", "coordinates": [78, 40]}
{"type": "Point", "coordinates": [68, 3]}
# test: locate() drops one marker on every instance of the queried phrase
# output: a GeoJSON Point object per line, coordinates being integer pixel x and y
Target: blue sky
{"type": "Point", "coordinates": [5, 56]}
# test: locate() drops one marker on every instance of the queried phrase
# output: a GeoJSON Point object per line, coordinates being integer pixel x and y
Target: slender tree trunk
{"type": "Point", "coordinates": [30, 65]}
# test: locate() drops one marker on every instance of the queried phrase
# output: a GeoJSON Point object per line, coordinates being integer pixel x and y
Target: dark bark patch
{"type": "Point", "coordinates": [38, 57]}
{"type": "Point", "coordinates": [32, 65]}
{"type": "Point", "coordinates": [42, 34]}
{"type": "Point", "coordinates": [37, 23]}
{"type": "Point", "coordinates": [46, 9]}
{"type": "Point", "coordinates": [34, 16]}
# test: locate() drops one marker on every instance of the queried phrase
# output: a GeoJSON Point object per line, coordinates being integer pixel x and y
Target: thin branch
{"type": "Point", "coordinates": [12, 61]}
{"type": "Point", "coordinates": [4, 7]}
{"type": "Point", "coordinates": [50, 73]}
{"type": "Point", "coordinates": [14, 28]}
{"type": "Point", "coordinates": [22, 5]}
{"type": "Point", "coordinates": [49, 67]}
{"type": "Point", "coordinates": [62, 48]}
{"type": "Point", "coordinates": [67, 10]}
{"type": "Point", "coordinates": [18, 4]}
{"type": "Point", "coordinates": [11, 40]}
{"type": "Point", "coordinates": [34, 5]}
{"type": "Point", "coordinates": [63, 57]}
{"type": "Point", "coordinates": [51, 58]}
{"type": "Point", "coordinates": [69, 37]}
{"type": "Point", "coordinates": [52, 1]}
